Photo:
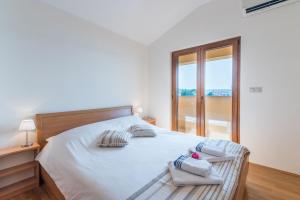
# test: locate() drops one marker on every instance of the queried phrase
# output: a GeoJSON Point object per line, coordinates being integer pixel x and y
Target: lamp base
{"type": "Point", "coordinates": [26, 145]}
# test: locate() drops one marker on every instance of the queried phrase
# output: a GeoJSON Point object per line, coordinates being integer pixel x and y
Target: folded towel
{"type": "Point", "coordinates": [182, 178]}
{"type": "Point", "coordinates": [211, 149]}
{"type": "Point", "coordinates": [194, 166]}
{"type": "Point", "coordinates": [213, 159]}
{"type": "Point", "coordinates": [142, 130]}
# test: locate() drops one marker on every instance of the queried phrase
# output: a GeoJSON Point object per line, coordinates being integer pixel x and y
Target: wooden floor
{"type": "Point", "coordinates": [265, 183]}
{"type": "Point", "coordinates": [262, 184]}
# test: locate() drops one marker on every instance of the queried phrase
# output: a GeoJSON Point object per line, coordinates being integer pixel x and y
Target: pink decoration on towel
{"type": "Point", "coordinates": [196, 155]}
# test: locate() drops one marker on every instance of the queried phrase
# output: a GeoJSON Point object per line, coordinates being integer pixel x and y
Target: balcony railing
{"type": "Point", "coordinates": [218, 115]}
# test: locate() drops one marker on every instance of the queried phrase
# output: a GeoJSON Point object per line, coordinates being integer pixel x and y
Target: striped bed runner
{"type": "Point", "coordinates": [162, 188]}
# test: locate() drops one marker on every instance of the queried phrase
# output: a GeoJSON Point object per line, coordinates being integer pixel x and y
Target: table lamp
{"type": "Point", "coordinates": [138, 111]}
{"type": "Point", "coordinates": [27, 125]}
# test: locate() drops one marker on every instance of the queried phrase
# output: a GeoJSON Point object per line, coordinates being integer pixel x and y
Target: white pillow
{"type": "Point", "coordinates": [112, 138]}
{"type": "Point", "coordinates": [142, 130]}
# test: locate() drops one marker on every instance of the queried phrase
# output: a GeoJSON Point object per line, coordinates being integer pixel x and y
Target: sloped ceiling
{"type": "Point", "coordinates": [141, 20]}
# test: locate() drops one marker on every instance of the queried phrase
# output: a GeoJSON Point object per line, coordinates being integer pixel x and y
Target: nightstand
{"type": "Point", "coordinates": [23, 185]}
{"type": "Point", "coordinates": [150, 120]}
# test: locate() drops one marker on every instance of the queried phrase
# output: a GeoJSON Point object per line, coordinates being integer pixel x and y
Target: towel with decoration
{"type": "Point", "coordinates": [213, 159]}
{"type": "Point", "coordinates": [194, 166]}
{"type": "Point", "coordinates": [211, 149]}
{"type": "Point", "coordinates": [184, 178]}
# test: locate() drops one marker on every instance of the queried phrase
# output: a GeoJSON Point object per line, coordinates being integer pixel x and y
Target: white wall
{"type": "Point", "coordinates": [270, 58]}
{"type": "Point", "coordinates": [51, 61]}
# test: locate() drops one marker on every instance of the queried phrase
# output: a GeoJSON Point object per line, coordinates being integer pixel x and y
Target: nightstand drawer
{"type": "Point", "coordinates": [19, 187]}
{"type": "Point", "coordinates": [18, 168]}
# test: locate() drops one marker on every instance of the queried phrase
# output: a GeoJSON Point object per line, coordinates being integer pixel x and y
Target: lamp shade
{"type": "Point", "coordinates": [27, 125]}
{"type": "Point", "coordinates": [139, 110]}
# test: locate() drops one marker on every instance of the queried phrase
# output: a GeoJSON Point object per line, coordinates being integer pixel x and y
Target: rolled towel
{"type": "Point", "coordinates": [210, 149]}
{"type": "Point", "coordinates": [214, 159]}
{"type": "Point", "coordinates": [194, 166]}
{"type": "Point", "coordinates": [182, 178]}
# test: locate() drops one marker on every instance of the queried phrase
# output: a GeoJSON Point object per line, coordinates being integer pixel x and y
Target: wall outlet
{"type": "Point", "coordinates": [256, 89]}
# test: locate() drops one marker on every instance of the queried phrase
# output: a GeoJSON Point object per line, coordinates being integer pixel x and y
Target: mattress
{"type": "Point", "coordinates": [82, 170]}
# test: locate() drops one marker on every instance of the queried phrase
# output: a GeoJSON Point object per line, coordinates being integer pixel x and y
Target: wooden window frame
{"type": "Point", "coordinates": [200, 50]}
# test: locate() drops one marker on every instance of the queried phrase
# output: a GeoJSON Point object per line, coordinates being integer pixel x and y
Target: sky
{"type": "Point", "coordinates": [218, 75]}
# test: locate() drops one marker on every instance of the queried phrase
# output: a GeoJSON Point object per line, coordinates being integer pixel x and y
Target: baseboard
{"type": "Point", "coordinates": [274, 169]}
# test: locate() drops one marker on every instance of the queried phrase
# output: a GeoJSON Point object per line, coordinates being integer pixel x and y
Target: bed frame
{"type": "Point", "coordinates": [52, 124]}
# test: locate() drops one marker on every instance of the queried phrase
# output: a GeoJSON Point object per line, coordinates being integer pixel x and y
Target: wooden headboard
{"type": "Point", "coordinates": [52, 124]}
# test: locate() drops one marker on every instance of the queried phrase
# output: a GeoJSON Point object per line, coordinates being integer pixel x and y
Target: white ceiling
{"type": "Point", "coordinates": [141, 20]}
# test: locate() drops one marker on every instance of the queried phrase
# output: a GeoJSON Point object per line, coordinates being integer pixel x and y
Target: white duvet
{"type": "Point", "coordinates": [82, 170]}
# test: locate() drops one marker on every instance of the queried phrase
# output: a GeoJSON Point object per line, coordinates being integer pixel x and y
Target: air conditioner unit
{"type": "Point", "coordinates": [255, 6]}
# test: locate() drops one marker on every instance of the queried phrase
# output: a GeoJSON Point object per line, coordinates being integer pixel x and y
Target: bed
{"type": "Point", "coordinates": [73, 167]}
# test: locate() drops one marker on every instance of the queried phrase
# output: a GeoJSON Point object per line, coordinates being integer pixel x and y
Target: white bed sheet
{"type": "Point", "coordinates": [81, 170]}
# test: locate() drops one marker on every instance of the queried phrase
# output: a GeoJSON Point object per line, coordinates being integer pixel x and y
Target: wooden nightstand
{"type": "Point", "coordinates": [150, 120]}
{"type": "Point", "coordinates": [26, 184]}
